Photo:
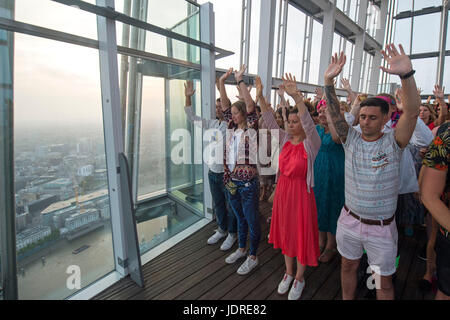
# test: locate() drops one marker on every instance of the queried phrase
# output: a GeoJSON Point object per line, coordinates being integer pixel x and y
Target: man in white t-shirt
{"type": "Point", "coordinates": [372, 177]}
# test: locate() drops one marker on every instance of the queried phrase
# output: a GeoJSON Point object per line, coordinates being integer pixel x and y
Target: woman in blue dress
{"type": "Point", "coordinates": [329, 184]}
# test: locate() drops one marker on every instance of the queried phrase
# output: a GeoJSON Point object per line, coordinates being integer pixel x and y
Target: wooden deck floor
{"type": "Point", "coordinates": [193, 270]}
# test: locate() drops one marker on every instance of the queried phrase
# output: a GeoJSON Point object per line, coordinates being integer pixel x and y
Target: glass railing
{"type": "Point", "coordinates": [168, 179]}
{"type": "Point", "coordinates": [64, 239]}
{"type": "Point", "coordinates": [62, 204]}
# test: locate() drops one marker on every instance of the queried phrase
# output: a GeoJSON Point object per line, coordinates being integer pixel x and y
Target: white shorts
{"type": "Point", "coordinates": [380, 243]}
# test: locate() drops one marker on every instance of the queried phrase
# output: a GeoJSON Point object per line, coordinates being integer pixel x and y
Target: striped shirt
{"type": "Point", "coordinates": [372, 175]}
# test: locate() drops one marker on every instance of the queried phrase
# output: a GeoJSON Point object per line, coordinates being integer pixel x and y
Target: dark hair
{"type": "Point", "coordinates": [280, 112]}
{"type": "Point", "coordinates": [309, 106]}
{"type": "Point", "coordinates": [258, 108]}
{"type": "Point", "coordinates": [291, 110]}
{"type": "Point", "coordinates": [376, 102]}
{"type": "Point", "coordinates": [218, 99]}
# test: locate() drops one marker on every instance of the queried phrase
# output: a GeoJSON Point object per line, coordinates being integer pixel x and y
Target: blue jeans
{"type": "Point", "coordinates": [245, 205]}
{"type": "Point", "coordinates": [226, 220]}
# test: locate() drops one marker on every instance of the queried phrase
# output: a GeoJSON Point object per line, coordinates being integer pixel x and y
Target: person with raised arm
{"type": "Point", "coordinates": [372, 177]}
{"type": "Point", "coordinates": [240, 172]}
{"type": "Point", "coordinates": [294, 228]}
{"type": "Point", "coordinates": [226, 220]}
{"type": "Point", "coordinates": [351, 95]}
{"type": "Point", "coordinates": [435, 194]}
{"type": "Point", "coordinates": [329, 185]}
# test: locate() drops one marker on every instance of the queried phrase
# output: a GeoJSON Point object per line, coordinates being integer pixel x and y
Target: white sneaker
{"type": "Point", "coordinates": [232, 258]}
{"type": "Point", "coordinates": [247, 266]}
{"type": "Point", "coordinates": [216, 237]}
{"type": "Point", "coordinates": [284, 285]}
{"type": "Point", "coordinates": [228, 243]}
{"type": "Point", "coordinates": [296, 290]}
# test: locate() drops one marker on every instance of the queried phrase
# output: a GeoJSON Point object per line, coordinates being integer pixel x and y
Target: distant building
{"type": "Point", "coordinates": [30, 236]}
{"type": "Point", "coordinates": [80, 219]}
{"type": "Point", "coordinates": [56, 213]}
{"type": "Point", "coordinates": [85, 171]}
{"type": "Point", "coordinates": [21, 221]}
{"type": "Point", "coordinates": [35, 207]}
{"type": "Point", "coordinates": [62, 187]}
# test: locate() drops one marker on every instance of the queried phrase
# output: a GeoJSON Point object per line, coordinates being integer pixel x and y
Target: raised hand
{"type": "Point", "coordinates": [281, 90]}
{"type": "Point", "coordinates": [189, 88]}
{"type": "Point", "coordinates": [335, 67]}
{"type": "Point", "coordinates": [439, 92]}
{"type": "Point", "coordinates": [319, 93]}
{"type": "Point", "coordinates": [259, 87]}
{"type": "Point", "coordinates": [346, 84]}
{"type": "Point", "coordinates": [226, 75]}
{"type": "Point", "coordinates": [239, 74]}
{"type": "Point", "coordinates": [290, 86]}
{"type": "Point", "coordinates": [399, 62]}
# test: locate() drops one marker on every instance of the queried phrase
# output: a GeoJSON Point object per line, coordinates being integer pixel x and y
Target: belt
{"type": "Point", "coordinates": [385, 222]}
{"type": "Point", "coordinates": [445, 233]}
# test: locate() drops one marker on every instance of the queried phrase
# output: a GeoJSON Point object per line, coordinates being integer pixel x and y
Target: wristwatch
{"type": "Point", "coordinates": [409, 74]}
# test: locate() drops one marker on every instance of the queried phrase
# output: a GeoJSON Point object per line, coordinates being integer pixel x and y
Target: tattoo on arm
{"type": "Point", "coordinates": [334, 109]}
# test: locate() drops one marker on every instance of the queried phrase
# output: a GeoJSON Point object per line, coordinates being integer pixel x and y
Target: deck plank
{"type": "Point", "coordinates": [194, 270]}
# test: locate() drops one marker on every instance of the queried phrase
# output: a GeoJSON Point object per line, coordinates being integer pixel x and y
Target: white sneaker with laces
{"type": "Point", "coordinates": [228, 243]}
{"type": "Point", "coordinates": [284, 285]}
{"type": "Point", "coordinates": [216, 237]}
{"type": "Point", "coordinates": [232, 258]}
{"type": "Point", "coordinates": [296, 290]}
{"type": "Point", "coordinates": [247, 266]}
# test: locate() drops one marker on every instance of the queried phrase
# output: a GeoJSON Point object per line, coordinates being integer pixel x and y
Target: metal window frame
{"type": "Point", "coordinates": [281, 42]}
{"type": "Point", "coordinates": [110, 13]}
{"type": "Point", "coordinates": [8, 253]}
{"type": "Point", "coordinates": [246, 17]}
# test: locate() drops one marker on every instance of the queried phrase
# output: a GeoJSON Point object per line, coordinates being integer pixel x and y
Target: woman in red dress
{"type": "Point", "coordinates": [294, 226]}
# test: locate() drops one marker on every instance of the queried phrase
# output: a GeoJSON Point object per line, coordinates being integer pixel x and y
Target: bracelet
{"type": "Point", "coordinates": [409, 74]}
{"type": "Point", "coordinates": [240, 82]}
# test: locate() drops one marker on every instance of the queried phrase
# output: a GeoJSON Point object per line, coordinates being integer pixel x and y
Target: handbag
{"type": "Point", "coordinates": [231, 187]}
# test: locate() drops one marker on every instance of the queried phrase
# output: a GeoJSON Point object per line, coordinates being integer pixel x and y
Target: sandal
{"type": "Point", "coordinates": [327, 255]}
{"type": "Point", "coordinates": [321, 248]}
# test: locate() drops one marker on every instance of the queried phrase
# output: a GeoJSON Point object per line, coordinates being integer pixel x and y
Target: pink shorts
{"type": "Point", "coordinates": [380, 243]}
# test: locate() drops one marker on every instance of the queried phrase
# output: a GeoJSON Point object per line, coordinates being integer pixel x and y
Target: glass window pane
{"type": "Point", "coordinates": [340, 5]}
{"type": "Point", "coordinates": [152, 151]}
{"type": "Point", "coordinates": [62, 201]}
{"type": "Point", "coordinates": [425, 74]}
{"type": "Point", "coordinates": [53, 15]}
{"type": "Point", "coordinates": [315, 53]}
{"type": "Point", "coordinates": [254, 38]}
{"type": "Point", "coordinates": [154, 13]}
{"type": "Point", "coordinates": [228, 30]}
{"type": "Point", "coordinates": [426, 33]}
{"type": "Point", "coordinates": [140, 39]}
{"type": "Point", "coordinates": [294, 41]}
{"type": "Point", "coordinates": [404, 5]}
{"type": "Point", "coordinates": [420, 4]}
{"type": "Point", "coordinates": [403, 33]}
{"type": "Point", "coordinates": [446, 82]}
{"type": "Point", "coordinates": [447, 42]}
{"type": "Point", "coordinates": [275, 40]}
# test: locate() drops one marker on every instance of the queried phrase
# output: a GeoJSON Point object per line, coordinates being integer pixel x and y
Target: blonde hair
{"type": "Point", "coordinates": [432, 112]}
{"type": "Point", "coordinates": [345, 105]}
